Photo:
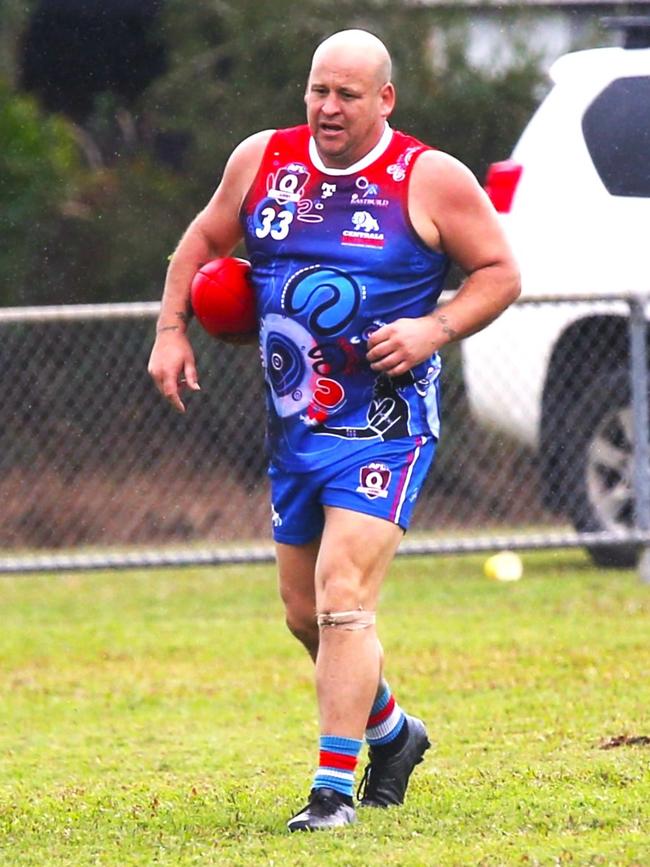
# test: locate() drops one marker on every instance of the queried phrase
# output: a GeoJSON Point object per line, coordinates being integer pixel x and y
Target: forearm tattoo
{"type": "Point", "coordinates": [451, 333]}
{"type": "Point", "coordinates": [182, 315]}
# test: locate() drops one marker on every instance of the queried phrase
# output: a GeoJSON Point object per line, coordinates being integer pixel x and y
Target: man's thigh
{"type": "Point", "coordinates": [296, 572]}
{"type": "Point", "coordinates": [355, 553]}
{"type": "Point", "coordinates": [368, 506]}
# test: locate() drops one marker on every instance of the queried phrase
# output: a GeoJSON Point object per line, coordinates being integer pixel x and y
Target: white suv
{"type": "Point", "coordinates": [574, 200]}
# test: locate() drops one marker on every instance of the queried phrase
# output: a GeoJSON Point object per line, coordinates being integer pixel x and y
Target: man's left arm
{"type": "Point", "coordinates": [452, 213]}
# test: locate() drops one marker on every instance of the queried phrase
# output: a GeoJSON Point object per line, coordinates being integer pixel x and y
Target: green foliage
{"type": "Point", "coordinates": [230, 77]}
{"type": "Point", "coordinates": [38, 170]}
{"type": "Point", "coordinates": [474, 114]}
{"type": "Point", "coordinates": [14, 15]}
{"type": "Point", "coordinates": [169, 718]}
{"type": "Point", "coordinates": [233, 68]}
{"type": "Point", "coordinates": [234, 71]}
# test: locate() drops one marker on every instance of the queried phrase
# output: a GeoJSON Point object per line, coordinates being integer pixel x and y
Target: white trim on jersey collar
{"type": "Point", "coordinates": [361, 164]}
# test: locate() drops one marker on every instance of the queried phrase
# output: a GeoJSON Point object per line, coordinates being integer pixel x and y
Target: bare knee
{"type": "Point", "coordinates": [300, 617]}
{"type": "Point", "coordinates": [304, 629]}
{"type": "Point", "coordinates": [340, 593]}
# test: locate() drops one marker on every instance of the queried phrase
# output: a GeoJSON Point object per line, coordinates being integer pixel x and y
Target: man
{"type": "Point", "coordinates": [350, 227]}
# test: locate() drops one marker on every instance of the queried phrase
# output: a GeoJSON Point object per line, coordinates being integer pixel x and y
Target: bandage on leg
{"type": "Point", "coordinates": [350, 620]}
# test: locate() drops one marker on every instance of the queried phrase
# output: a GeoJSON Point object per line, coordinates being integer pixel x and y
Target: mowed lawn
{"type": "Point", "coordinates": [167, 717]}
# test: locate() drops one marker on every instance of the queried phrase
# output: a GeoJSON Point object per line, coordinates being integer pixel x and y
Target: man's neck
{"type": "Point", "coordinates": [373, 154]}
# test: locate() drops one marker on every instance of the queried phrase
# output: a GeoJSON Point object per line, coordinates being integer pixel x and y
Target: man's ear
{"type": "Point", "coordinates": [388, 97]}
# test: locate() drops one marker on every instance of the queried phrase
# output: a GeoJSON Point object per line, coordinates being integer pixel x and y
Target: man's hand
{"type": "Point", "coordinates": [396, 348]}
{"type": "Point", "coordinates": [172, 366]}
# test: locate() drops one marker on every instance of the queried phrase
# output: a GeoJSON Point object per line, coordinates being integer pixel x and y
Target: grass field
{"type": "Point", "coordinates": [168, 718]}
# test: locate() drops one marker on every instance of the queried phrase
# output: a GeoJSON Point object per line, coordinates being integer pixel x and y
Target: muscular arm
{"type": "Point", "coordinates": [451, 212]}
{"type": "Point", "coordinates": [213, 232]}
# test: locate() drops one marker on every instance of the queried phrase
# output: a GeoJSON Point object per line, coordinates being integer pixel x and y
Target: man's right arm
{"type": "Point", "coordinates": [214, 232]}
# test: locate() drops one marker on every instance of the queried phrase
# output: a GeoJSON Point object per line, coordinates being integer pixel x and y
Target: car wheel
{"type": "Point", "coordinates": [600, 440]}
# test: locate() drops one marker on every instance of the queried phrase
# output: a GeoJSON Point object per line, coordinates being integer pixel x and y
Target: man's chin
{"type": "Point", "coordinates": [329, 149]}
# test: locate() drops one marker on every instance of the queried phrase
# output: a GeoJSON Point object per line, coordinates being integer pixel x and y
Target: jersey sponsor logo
{"type": "Point", "coordinates": [327, 190]}
{"type": "Point", "coordinates": [369, 195]}
{"type": "Point", "coordinates": [288, 183]}
{"type": "Point", "coordinates": [397, 170]}
{"type": "Point", "coordinates": [364, 221]}
{"type": "Point", "coordinates": [366, 232]}
{"type": "Point", "coordinates": [374, 480]}
{"type": "Point", "coordinates": [364, 201]}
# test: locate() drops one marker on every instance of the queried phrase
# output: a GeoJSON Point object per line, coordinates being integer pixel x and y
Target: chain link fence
{"type": "Point", "coordinates": [539, 446]}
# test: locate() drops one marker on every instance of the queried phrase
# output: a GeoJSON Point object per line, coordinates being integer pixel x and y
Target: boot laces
{"type": "Point", "coordinates": [362, 788]}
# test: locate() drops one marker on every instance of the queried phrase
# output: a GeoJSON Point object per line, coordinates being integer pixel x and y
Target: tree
{"type": "Point", "coordinates": [39, 167]}
{"type": "Point", "coordinates": [152, 160]}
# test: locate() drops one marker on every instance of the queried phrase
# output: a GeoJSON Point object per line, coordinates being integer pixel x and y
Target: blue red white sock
{"type": "Point", "coordinates": [337, 763]}
{"type": "Point", "coordinates": [386, 719]}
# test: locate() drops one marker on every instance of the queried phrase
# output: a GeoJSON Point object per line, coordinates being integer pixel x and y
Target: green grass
{"type": "Point", "coordinates": [168, 718]}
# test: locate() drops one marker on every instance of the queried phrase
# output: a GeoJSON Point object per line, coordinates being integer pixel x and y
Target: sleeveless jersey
{"type": "Point", "coordinates": [334, 257]}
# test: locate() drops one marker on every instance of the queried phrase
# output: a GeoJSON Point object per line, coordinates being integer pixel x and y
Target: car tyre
{"type": "Point", "coordinates": [599, 452]}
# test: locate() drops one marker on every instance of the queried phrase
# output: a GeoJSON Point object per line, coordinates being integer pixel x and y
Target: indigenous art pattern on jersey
{"type": "Point", "coordinates": [334, 257]}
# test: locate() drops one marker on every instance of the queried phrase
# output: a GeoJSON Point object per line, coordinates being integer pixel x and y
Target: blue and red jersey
{"type": "Point", "coordinates": [334, 257]}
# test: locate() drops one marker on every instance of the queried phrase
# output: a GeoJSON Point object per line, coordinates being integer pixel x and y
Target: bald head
{"type": "Point", "coordinates": [349, 96]}
{"type": "Point", "coordinates": [356, 47]}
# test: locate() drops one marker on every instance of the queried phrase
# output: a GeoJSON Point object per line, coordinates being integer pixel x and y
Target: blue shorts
{"type": "Point", "coordinates": [383, 480]}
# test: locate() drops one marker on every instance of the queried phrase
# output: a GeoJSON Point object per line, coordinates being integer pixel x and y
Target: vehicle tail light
{"type": "Point", "coordinates": [501, 183]}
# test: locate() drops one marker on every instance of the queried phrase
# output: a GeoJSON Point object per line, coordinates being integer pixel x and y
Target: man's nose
{"type": "Point", "coordinates": [331, 104]}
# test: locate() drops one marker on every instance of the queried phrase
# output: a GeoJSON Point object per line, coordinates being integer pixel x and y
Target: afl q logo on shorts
{"type": "Point", "coordinates": [374, 480]}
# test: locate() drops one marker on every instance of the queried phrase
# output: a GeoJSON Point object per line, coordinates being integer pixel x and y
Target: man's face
{"type": "Point", "coordinates": [346, 108]}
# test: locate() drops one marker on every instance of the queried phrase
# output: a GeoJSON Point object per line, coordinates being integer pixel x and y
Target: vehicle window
{"type": "Point", "coordinates": [616, 128]}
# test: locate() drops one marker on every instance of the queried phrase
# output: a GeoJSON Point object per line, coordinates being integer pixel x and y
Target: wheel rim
{"type": "Point", "coordinates": [609, 471]}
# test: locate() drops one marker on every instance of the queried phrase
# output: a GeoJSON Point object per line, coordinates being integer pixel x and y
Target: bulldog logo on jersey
{"type": "Point", "coordinates": [374, 480]}
{"type": "Point", "coordinates": [364, 221]}
{"type": "Point", "coordinates": [366, 231]}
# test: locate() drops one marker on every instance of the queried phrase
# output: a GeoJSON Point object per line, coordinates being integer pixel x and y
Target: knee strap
{"type": "Point", "coordinates": [351, 620]}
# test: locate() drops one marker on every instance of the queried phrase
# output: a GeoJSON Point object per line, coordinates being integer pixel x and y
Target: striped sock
{"type": "Point", "coordinates": [386, 719]}
{"type": "Point", "coordinates": [338, 759]}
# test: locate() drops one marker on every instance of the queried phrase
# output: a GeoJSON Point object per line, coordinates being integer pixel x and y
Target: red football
{"type": "Point", "coordinates": [223, 298]}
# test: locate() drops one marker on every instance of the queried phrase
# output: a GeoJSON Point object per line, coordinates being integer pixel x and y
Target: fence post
{"type": "Point", "coordinates": [641, 444]}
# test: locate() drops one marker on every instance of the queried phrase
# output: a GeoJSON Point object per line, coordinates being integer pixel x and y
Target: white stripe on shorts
{"type": "Point", "coordinates": [402, 498]}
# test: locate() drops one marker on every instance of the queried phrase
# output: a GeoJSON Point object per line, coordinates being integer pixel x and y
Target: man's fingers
{"type": "Point", "coordinates": [177, 403]}
{"type": "Point", "coordinates": [169, 389]}
{"type": "Point", "coordinates": [172, 367]}
{"type": "Point", "coordinates": [191, 376]}
{"type": "Point", "coordinates": [379, 336]}
{"type": "Point", "coordinates": [393, 364]}
{"type": "Point", "coordinates": [384, 356]}
{"type": "Point", "coordinates": [174, 399]}
{"type": "Point", "coordinates": [380, 350]}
